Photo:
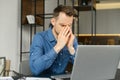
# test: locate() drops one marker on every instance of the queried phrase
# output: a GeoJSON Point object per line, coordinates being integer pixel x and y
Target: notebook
{"type": "Point", "coordinates": [94, 62]}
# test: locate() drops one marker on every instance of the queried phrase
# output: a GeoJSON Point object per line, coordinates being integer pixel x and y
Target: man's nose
{"type": "Point", "coordinates": [68, 26]}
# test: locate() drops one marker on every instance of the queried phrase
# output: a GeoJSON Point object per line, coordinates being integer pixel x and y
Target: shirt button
{"type": "Point", "coordinates": [61, 54]}
{"type": "Point", "coordinates": [59, 64]}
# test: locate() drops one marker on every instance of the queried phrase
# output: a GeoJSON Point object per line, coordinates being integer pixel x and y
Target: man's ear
{"type": "Point", "coordinates": [53, 21]}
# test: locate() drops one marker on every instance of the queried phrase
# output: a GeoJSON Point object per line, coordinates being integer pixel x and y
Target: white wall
{"type": "Point", "coordinates": [108, 21]}
{"type": "Point", "coordinates": [9, 31]}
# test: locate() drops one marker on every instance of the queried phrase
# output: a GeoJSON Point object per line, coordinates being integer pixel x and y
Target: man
{"type": "Point", "coordinates": [51, 50]}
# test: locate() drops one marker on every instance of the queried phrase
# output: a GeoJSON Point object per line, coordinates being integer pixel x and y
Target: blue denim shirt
{"type": "Point", "coordinates": [44, 59]}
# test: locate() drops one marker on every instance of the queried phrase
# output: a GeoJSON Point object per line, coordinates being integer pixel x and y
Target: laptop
{"type": "Point", "coordinates": [95, 62]}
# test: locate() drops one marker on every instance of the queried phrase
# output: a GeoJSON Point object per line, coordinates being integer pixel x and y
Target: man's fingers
{"type": "Point", "coordinates": [68, 35]}
{"type": "Point", "coordinates": [66, 31]}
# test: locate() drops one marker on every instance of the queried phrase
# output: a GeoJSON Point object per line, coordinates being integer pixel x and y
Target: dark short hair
{"type": "Point", "coordinates": [68, 10]}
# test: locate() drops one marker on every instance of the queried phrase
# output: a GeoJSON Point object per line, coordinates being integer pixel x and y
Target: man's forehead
{"type": "Point", "coordinates": [65, 23]}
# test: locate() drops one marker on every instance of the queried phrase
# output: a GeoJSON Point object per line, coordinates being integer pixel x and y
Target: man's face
{"type": "Point", "coordinates": [61, 21]}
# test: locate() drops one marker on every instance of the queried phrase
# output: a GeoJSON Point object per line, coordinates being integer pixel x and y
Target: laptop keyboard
{"type": "Point", "coordinates": [62, 76]}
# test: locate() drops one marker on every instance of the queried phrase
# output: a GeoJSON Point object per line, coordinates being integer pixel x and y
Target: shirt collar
{"type": "Point", "coordinates": [50, 35]}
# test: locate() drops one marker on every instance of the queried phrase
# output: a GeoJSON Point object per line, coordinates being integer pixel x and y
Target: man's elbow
{"type": "Point", "coordinates": [34, 69]}
{"type": "Point", "coordinates": [35, 72]}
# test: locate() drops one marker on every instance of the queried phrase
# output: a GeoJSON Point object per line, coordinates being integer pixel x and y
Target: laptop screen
{"type": "Point", "coordinates": [96, 62]}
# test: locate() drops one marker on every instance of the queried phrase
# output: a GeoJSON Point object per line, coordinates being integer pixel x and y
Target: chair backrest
{"type": "Point", "coordinates": [24, 68]}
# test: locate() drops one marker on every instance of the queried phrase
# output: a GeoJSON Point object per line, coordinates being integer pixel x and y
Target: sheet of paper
{"type": "Point", "coordinates": [34, 78]}
{"type": "Point", "coordinates": [6, 78]}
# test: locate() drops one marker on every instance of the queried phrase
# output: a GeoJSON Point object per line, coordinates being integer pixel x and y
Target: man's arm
{"type": "Point", "coordinates": [75, 44]}
{"type": "Point", "coordinates": [62, 39]}
{"type": "Point", "coordinates": [72, 43]}
{"type": "Point", "coordinates": [40, 61]}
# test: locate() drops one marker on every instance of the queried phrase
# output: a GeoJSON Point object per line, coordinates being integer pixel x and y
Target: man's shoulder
{"type": "Point", "coordinates": [42, 34]}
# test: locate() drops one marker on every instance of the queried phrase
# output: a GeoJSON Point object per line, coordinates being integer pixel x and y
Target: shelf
{"type": "Point", "coordinates": [97, 35]}
{"type": "Point", "coordinates": [48, 15]}
{"type": "Point", "coordinates": [26, 52]}
{"type": "Point", "coordinates": [84, 8]}
{"type": "Point", "coordinates": [99, 6]}
{"type": "Point", "coordinates": [28, 8]}
{"type": "Point", "coordinates": [33, 25]}
{"type": "Point", "coordinates": [99, 39]}
{"type": "Point", "coordinates": [103, 6]}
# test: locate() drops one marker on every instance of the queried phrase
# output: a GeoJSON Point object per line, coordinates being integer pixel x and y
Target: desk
{"type": "Point", "coordinates": [117, 76]}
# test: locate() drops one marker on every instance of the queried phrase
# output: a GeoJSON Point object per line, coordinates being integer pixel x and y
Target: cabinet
{"type": "Point", "coordinates": [35, 8]}
{"type": "Point", "coordinates": [103, 34]}
{"type": "Point", "coordinates": [30, 7]}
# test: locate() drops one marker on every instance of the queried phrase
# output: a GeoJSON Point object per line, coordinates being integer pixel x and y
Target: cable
{"type": "Point", "coordinates": [17, 75]}
{"type": "Point", "coordinates": [3, 70]}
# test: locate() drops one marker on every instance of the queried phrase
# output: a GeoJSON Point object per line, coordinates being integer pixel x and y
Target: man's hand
{"type": "Point", "coordinates": [70, 43]}
{"type": "Point", "coordinates": [62, 38]}
{"type": "Point", "coordinates": [71, 39]}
